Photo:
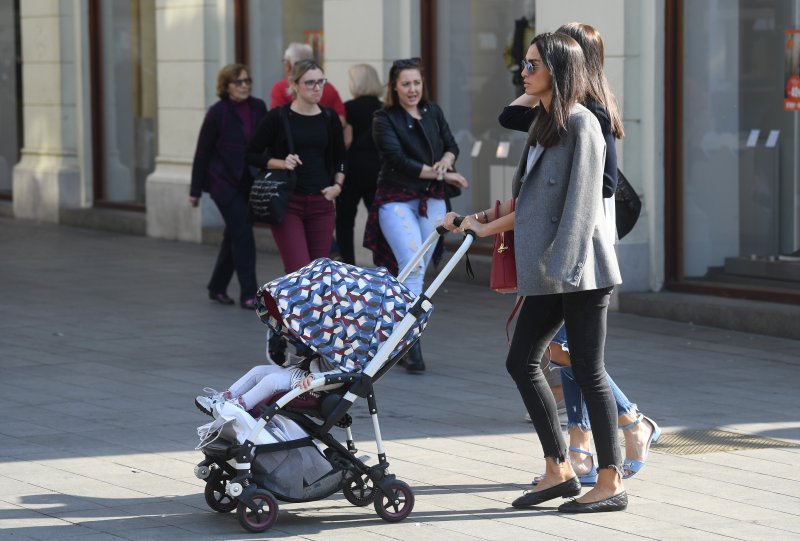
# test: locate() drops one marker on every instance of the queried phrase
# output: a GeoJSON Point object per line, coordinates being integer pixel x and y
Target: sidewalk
{"type": "Point", "coordinates": [105, 339]}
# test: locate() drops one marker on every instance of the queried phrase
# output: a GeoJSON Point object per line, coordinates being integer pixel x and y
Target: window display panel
{"type": "Point", "coordinates": [273, 25]}
{"type": "Point", "coordinates": [128, 72]}
{"type": "Point", "coordinates": [478, 44]}
{"type": "Point", "coordinates": [741, 193]}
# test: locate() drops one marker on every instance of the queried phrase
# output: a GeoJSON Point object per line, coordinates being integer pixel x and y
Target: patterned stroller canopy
{"type": "Point", "coordinates": [341, 311]}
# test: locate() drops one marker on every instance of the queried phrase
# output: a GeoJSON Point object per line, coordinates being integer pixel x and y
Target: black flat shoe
{"type": "Point", "coordinates": [221, 298]}
{"type": "Point", "coordinates": [570, 487]}
{"type": "Point", "coordinates": [614, 503]}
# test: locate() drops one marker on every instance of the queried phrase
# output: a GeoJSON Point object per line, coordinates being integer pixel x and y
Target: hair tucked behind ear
{"type": "Point", "coordinates": [563, 58]}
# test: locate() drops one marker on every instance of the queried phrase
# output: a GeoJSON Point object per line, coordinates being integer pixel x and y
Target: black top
{"type": "Point", "coordinates": [310, 141]}
{"type": "Point", "coordinates": [363, 162]}
{"type": "Point", "coordinates": [269, 141]}
{"type": "Point", "coordinates": [359, 115]}
{"type": "Point", "coordinates": [520, 118]}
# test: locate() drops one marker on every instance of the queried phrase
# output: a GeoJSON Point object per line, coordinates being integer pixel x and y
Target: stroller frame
{"type": "Point", "coordinates": [393, 499]}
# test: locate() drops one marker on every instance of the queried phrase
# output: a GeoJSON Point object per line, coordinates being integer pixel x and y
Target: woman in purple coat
{"type": "Point", "coordinates": [219, 168]}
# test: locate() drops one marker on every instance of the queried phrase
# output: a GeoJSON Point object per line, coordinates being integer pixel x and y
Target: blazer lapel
{"type": "Point", "coordinates": [522, 174]}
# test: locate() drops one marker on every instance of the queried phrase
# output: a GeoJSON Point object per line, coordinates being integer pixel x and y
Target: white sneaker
{"type": "Point", "coordinates": [206, 403]}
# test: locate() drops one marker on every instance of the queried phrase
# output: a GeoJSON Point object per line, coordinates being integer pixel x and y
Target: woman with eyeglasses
{"type": "Point", "coordinates": [417, 152]}
{"type": "Point", "coordinates": [306, 231]}
{"type": "Point", "coordinates": [640, 431]}
{"type": "Point", "coordinates": [219, 168]}
{"type": "Point", "coordinates": [566, 270]}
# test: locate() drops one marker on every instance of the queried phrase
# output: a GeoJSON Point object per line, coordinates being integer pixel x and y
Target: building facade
{"type": "Point", "coordinates": [103, 100]}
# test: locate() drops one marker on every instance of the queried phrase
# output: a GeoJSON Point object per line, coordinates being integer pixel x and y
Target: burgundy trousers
{"type": "Point", "coordinates": [306, 231]}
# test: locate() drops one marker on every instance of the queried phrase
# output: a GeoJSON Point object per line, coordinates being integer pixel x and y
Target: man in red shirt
{"type": "Point", "coordinates": [280, 95]}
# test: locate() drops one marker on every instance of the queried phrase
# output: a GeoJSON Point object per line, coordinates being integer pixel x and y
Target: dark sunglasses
{"type": "Point", "coordinates": [529, 66]}
{"type": "Point", "coordinates": [242, 82]}
{"type": "Point", "coordinates": [405, 63]}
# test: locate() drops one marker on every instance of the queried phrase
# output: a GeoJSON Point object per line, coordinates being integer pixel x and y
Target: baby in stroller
{"type": "Point", "coordinates": [265, 380]}
{"type": "Point", "coordinates": [349, 326]}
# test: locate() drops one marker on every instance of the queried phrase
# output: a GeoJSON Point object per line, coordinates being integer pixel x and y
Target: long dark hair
{"type": "Point", "coordinates": [592, 44]}
{"type": "Point", "coordinates": [563, 59]}
{"type": "Point", "coordinates": [394, 74]}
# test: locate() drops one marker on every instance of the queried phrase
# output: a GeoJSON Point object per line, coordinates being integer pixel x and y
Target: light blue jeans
{"type": "Point", "coordinates": [577, 416]}
{"type": "Point", "coordinates": [405, 231]}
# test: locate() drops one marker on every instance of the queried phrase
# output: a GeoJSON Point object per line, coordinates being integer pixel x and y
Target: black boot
{"type": "Point", "coordinates": [413, 361]}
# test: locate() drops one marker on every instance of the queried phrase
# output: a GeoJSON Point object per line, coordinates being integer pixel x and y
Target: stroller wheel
{"type": "Point", "coordinates": [396, 505]}
{"type": "Point", "coordinates": [216, 498]}
{"type": "Point", "coordinates": [359, 490]}
{"type": "Point", "coordinates": [264, 515]}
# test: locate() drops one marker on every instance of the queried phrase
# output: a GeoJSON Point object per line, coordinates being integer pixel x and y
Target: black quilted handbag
{"type": "Point", "coordinates": [627, 205]}
{"type": "Point", "coordinates": [272, 188]}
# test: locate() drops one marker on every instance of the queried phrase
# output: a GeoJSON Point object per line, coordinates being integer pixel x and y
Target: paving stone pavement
{"type": "Point", "coordinates": [105, 339]}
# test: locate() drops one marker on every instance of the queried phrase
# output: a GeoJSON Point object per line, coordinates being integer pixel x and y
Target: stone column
{"type": "Point", "coordinates": [48, 176]}
{"type": "Point", "coordinates": [193, 43]}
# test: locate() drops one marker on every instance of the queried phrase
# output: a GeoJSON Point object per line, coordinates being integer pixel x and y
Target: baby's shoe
{"type": "Point", "coordinates": [206, 403]}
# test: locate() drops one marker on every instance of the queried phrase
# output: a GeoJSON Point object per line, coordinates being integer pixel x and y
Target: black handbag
{"type": "Point", "coordinates": [627, 205]}
{"type": "Point", "coordinates": [272, 188]}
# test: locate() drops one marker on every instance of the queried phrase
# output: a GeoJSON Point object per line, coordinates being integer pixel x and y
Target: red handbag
{"type": "Point", "coordinates": [504, 266]}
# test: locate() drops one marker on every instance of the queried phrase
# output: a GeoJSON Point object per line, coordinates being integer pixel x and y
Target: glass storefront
{"type": "Point", "coordinates": [273, 25]}
{"type": "Point", "coordinates": [740, 189]}
{"type": "Point", "coordinates": [127, 83]}
{"type": "Point", "coordinates": [474, 81]}
{"type": "Point", "coordinates": [10, 93]}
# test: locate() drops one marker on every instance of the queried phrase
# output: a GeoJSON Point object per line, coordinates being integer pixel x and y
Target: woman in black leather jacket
{"type": "Point", "coordinates": [417, 152]}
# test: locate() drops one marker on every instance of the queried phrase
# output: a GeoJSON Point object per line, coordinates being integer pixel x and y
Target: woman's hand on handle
{"type": "Point", "coordinates": [449, 218]}
{"type": "Point", "coordinates": [469, 223]}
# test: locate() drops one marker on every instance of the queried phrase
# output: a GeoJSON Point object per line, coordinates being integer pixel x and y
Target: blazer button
{"type": "Point", "coordinates": [552, 181]}
{"type": "Point", "coordinates": [580, 265]}
{"type": "Point", "coordinates": [554, 219]}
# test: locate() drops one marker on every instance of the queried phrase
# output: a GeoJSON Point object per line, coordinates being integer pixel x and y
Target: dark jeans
{"type": "Point", "coordinates": [584, 315]}
{"type": "Point", "coordinates": [354, 190]}
{"type": "Point", "coordinates": [238, 250]}
{"type": "Point", "coordinates": [306, 231]}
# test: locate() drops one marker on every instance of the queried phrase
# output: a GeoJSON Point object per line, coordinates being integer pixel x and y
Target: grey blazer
{"type": "Point", "coordinates": [561, 245]}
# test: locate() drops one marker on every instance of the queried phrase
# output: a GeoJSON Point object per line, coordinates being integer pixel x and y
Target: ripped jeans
{"type": "Point", "coordinates": [405, 231]}
{"type": "Point", "coordinates": [577, 415]}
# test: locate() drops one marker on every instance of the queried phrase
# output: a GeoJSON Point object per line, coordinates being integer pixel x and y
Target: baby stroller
{"type": "Point", "coordinates": [360, 320]}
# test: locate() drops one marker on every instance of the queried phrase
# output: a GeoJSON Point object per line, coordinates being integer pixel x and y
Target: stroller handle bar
{"type": "Point", "coordinates": [428, 244]}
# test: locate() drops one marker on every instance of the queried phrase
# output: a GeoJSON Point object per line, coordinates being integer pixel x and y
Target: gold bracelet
{"type": "Point", "coordinates": [485, 217]}
{"type": "Point", "coordinates": [476, 218]}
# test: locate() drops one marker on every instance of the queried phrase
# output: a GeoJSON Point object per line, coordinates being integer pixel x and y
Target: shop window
{"type": "Point", "coordinates": [740, 206]}
{"type": "Point", "coordinates": [475, 69]}
{"type": "Point", "coordinates": [10, 93]}
{"type": "Point", "coordinates": [272, 25]}
{"type": "Point", "coordinates": [124, 98]}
